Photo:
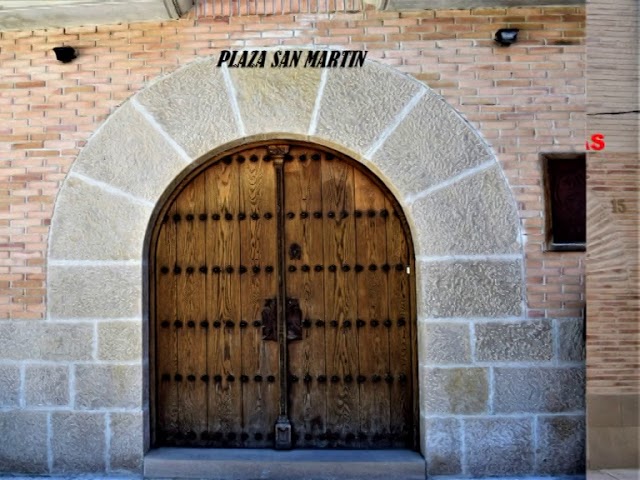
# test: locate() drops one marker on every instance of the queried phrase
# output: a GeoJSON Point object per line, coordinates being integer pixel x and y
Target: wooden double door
{"type": "Point", "coordinates": [281, 282]}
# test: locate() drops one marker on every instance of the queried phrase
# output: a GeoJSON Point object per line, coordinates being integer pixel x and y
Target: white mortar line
{"type": "Point", "coordinates": [410, 199]}
{"type": "Point", "coordinates": [72, 386]}
{"type": "Point", "coordinates": [23, 378]}
{"type": "Point", "coordinates": [555, 328]}
{"type": "Point", "coordinates": [233, 99]}
{"type": "Point", "coordinates": [534, 434]}
{"type": "Point", "coordinates": [111, 189]}
{"type": "Point", "coordinates": [469, 258]}
{"type": "Point", "coordinates": [107, 442]}
{"type": "Point", "coordinates": [491, 388]}
{"type": "Point", "coordinates": [94, 343]}
{"type": "Point", "coordinates": [463, 447]}
{"type": "Point", "coordinates": [158, 128]}
{"type": "Point", "coordinates": [472, 341]}
{"type": "Point", "coordinates": [494, 363]}
{"type": "Point", "coordinates": [394, 124]}
{"type": "Point", "coordinates": [519, 415]}
{"type": "Point", "coordinates": [473, 319]}
{"type": "Point", "coordinates": [93, 263]}
{"type": "Point", "coordinates": [313, 124]}
{"type": "Point", "coordinates": [49, 446]}
{"type": "Point", "coordinates": [91, 320]}
{"type": "Point", "coordinates": [62, 408]}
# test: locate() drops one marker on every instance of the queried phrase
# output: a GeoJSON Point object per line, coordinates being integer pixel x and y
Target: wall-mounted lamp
{"type": "Point", "coordinates": [65, 54]}
{"type": "Point", "coordinates": [506, 36]}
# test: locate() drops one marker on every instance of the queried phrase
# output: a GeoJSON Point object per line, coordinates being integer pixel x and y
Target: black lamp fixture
{"type": "Point", "coordinates": [65, 54]}
{"type": "Point", "coordinates": [506, 36]}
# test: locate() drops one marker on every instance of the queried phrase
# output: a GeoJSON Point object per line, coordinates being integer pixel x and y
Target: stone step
{"type": "Point", "coordinates": [259, 464]}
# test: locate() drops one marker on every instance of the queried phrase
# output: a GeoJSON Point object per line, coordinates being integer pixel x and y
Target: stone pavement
{"type": "Point", "coordinates": [612, 474]}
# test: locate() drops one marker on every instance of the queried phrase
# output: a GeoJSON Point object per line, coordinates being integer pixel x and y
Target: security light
{"type": "Point", "coordinates": [506, 36]}
{"type": "Point", "coordinates": [65, 54]}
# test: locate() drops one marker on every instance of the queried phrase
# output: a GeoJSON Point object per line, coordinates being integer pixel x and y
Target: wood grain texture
{"type": "Point", "coordinates": [351, 366]}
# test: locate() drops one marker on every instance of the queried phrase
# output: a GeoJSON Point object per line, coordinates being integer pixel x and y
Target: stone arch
{"type": "Point", "coordinates": [462, 214]}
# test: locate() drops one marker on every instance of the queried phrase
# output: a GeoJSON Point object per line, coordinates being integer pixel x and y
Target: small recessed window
{"type": "Point", "coordinates": [565, 194]}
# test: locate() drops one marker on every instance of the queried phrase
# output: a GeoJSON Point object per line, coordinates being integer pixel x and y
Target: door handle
{"type": "Point", "coordinates": [270, 320]}
{"type": "Point", "coordinates": [294, 319]}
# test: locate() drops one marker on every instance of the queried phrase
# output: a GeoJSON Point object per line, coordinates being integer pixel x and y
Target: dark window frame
{"type": "Point", "coordinates": [551, 244]}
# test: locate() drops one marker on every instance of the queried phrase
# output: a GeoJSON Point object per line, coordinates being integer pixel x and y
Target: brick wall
{"type": "Point", "coordinates": [525, 99]}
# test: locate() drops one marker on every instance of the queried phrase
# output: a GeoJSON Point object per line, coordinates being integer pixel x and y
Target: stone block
{"type": "Point", "coordinates": [561, 445]}
{"type": "Point", "coordinates": [434, 143]}
{"type": "Point", "coordinates": [108, 386]}
{"type": "Point", "coordinates": [197, 122]}
{"type": "Point", "coordinates": [23, 442]}
{"type": "Point", "coordinates": [455, 390]}
{"type": "Point", "coordinates": [351, 116]}
{"type": "Point", "coordinates": [92, 224]}
{"type": "Point", "coordinates": [499, 446]}
{"type": "Point", "coordinates": [126, 442]}
{"type": "Point", "coordinates": [119, 341]}
{"type": "Point", "coordinates": [78, 442]}
{"type": "Point", "coordinates": [443, 446]}
{"type": "Point", "coordinates": [9, 385]}
{"type": "Point", "coordinates": [471, 288]}
{"type": "Point", "coordinates": [476, 215]}
{"type": "Point", "coordinates": [514, 341]}
{"type": "Point", "coordinates": [45, 341]}
{"type": "Point", "coordinates": [96, 291]}
{"type": "Point", "coordinates": [444, 343]}
{"type": "Point", "coordinates": [47, 385]}
{"type": "Point", "coordinates": [571, 340]}
{"type": "Point", "coordinates": [538, 390]}
{"type": "Point", "coordinates": [128, 148]}
{"type": "Point", "coordinates": [287, 94]}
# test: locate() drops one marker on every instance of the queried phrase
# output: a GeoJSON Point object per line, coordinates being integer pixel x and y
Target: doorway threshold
{"type": "Point", "coordinates": [259, 464]}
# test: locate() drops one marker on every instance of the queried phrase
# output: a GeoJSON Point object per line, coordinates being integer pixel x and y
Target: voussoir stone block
{"type": "Point", "coordinates": [443, 446]}
{"type": "Point", "coordinates": [45, 341]}
{"type": "Point", "coordinates": [431, 144]}
{"type": "Point", "coordinates": [9, 385]}
{"type": "Point", "coordinates": [535, 390]}
{"type": "Point", "coordinates": [514, 341]}
{"type": "Point", "coordinates": [95, 291]}
{"type": "Point", "coordinates": [93, 224]}
{"type": "Point", "coordinates": [78, 442]}
{"type": "Point", "coordinates": [276, 99]}
{"type": "Point", "coordinates": [127, 149]}
{"type": "Point", "coordinates": [23, 442]}
{"type": "Point", "coordinates": [499, 446]}
{"type": "Point", "coordinates": [47, 385]}
{"type": "Point", "coordinates": [193, 105]}
{"type": "Point", "coordinates": [476, 215]}
{"type": "Point", "coordinates": [455, 390]}
{"type": "Point", "coordinates": [561, 445]}
{"type": "Point", "coordinates": [571, 340]}
{"type": "Point", "coordinates": [121, 340]}
{"type": "Point", "coordinates": [126, 442]}
{"type": "Point", "coordinates": [350, 115]}
{"type": "Point", "coordinates": [471, 288]}
{"type": "Point", "coordinates": [444, 343]}
{"type": "Point", "coordinates": [108, 386]}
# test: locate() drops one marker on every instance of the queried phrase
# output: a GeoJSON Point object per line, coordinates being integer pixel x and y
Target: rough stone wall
{"type": "Point", "coordinates": [613, 329]}
{"type": "Point", "coordinates": [518, 384]}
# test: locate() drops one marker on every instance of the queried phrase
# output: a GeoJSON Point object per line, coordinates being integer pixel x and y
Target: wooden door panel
{"type": "Point", "coordinates": [190, 310]}
{"type": "Point", "coordinates": [258, 235]}
{"type": "Point", "coordinates": [343, 412]}
{"type": "Point", "coordinates": [303, 240]}
{"type": "Point", "coordinates": [373, 336]}
{"type": "Point", "coordinates": [166, 331]}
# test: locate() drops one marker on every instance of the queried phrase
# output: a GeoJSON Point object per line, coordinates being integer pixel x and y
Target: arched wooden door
{"type": "Point", "coordinates": [281, 282]}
